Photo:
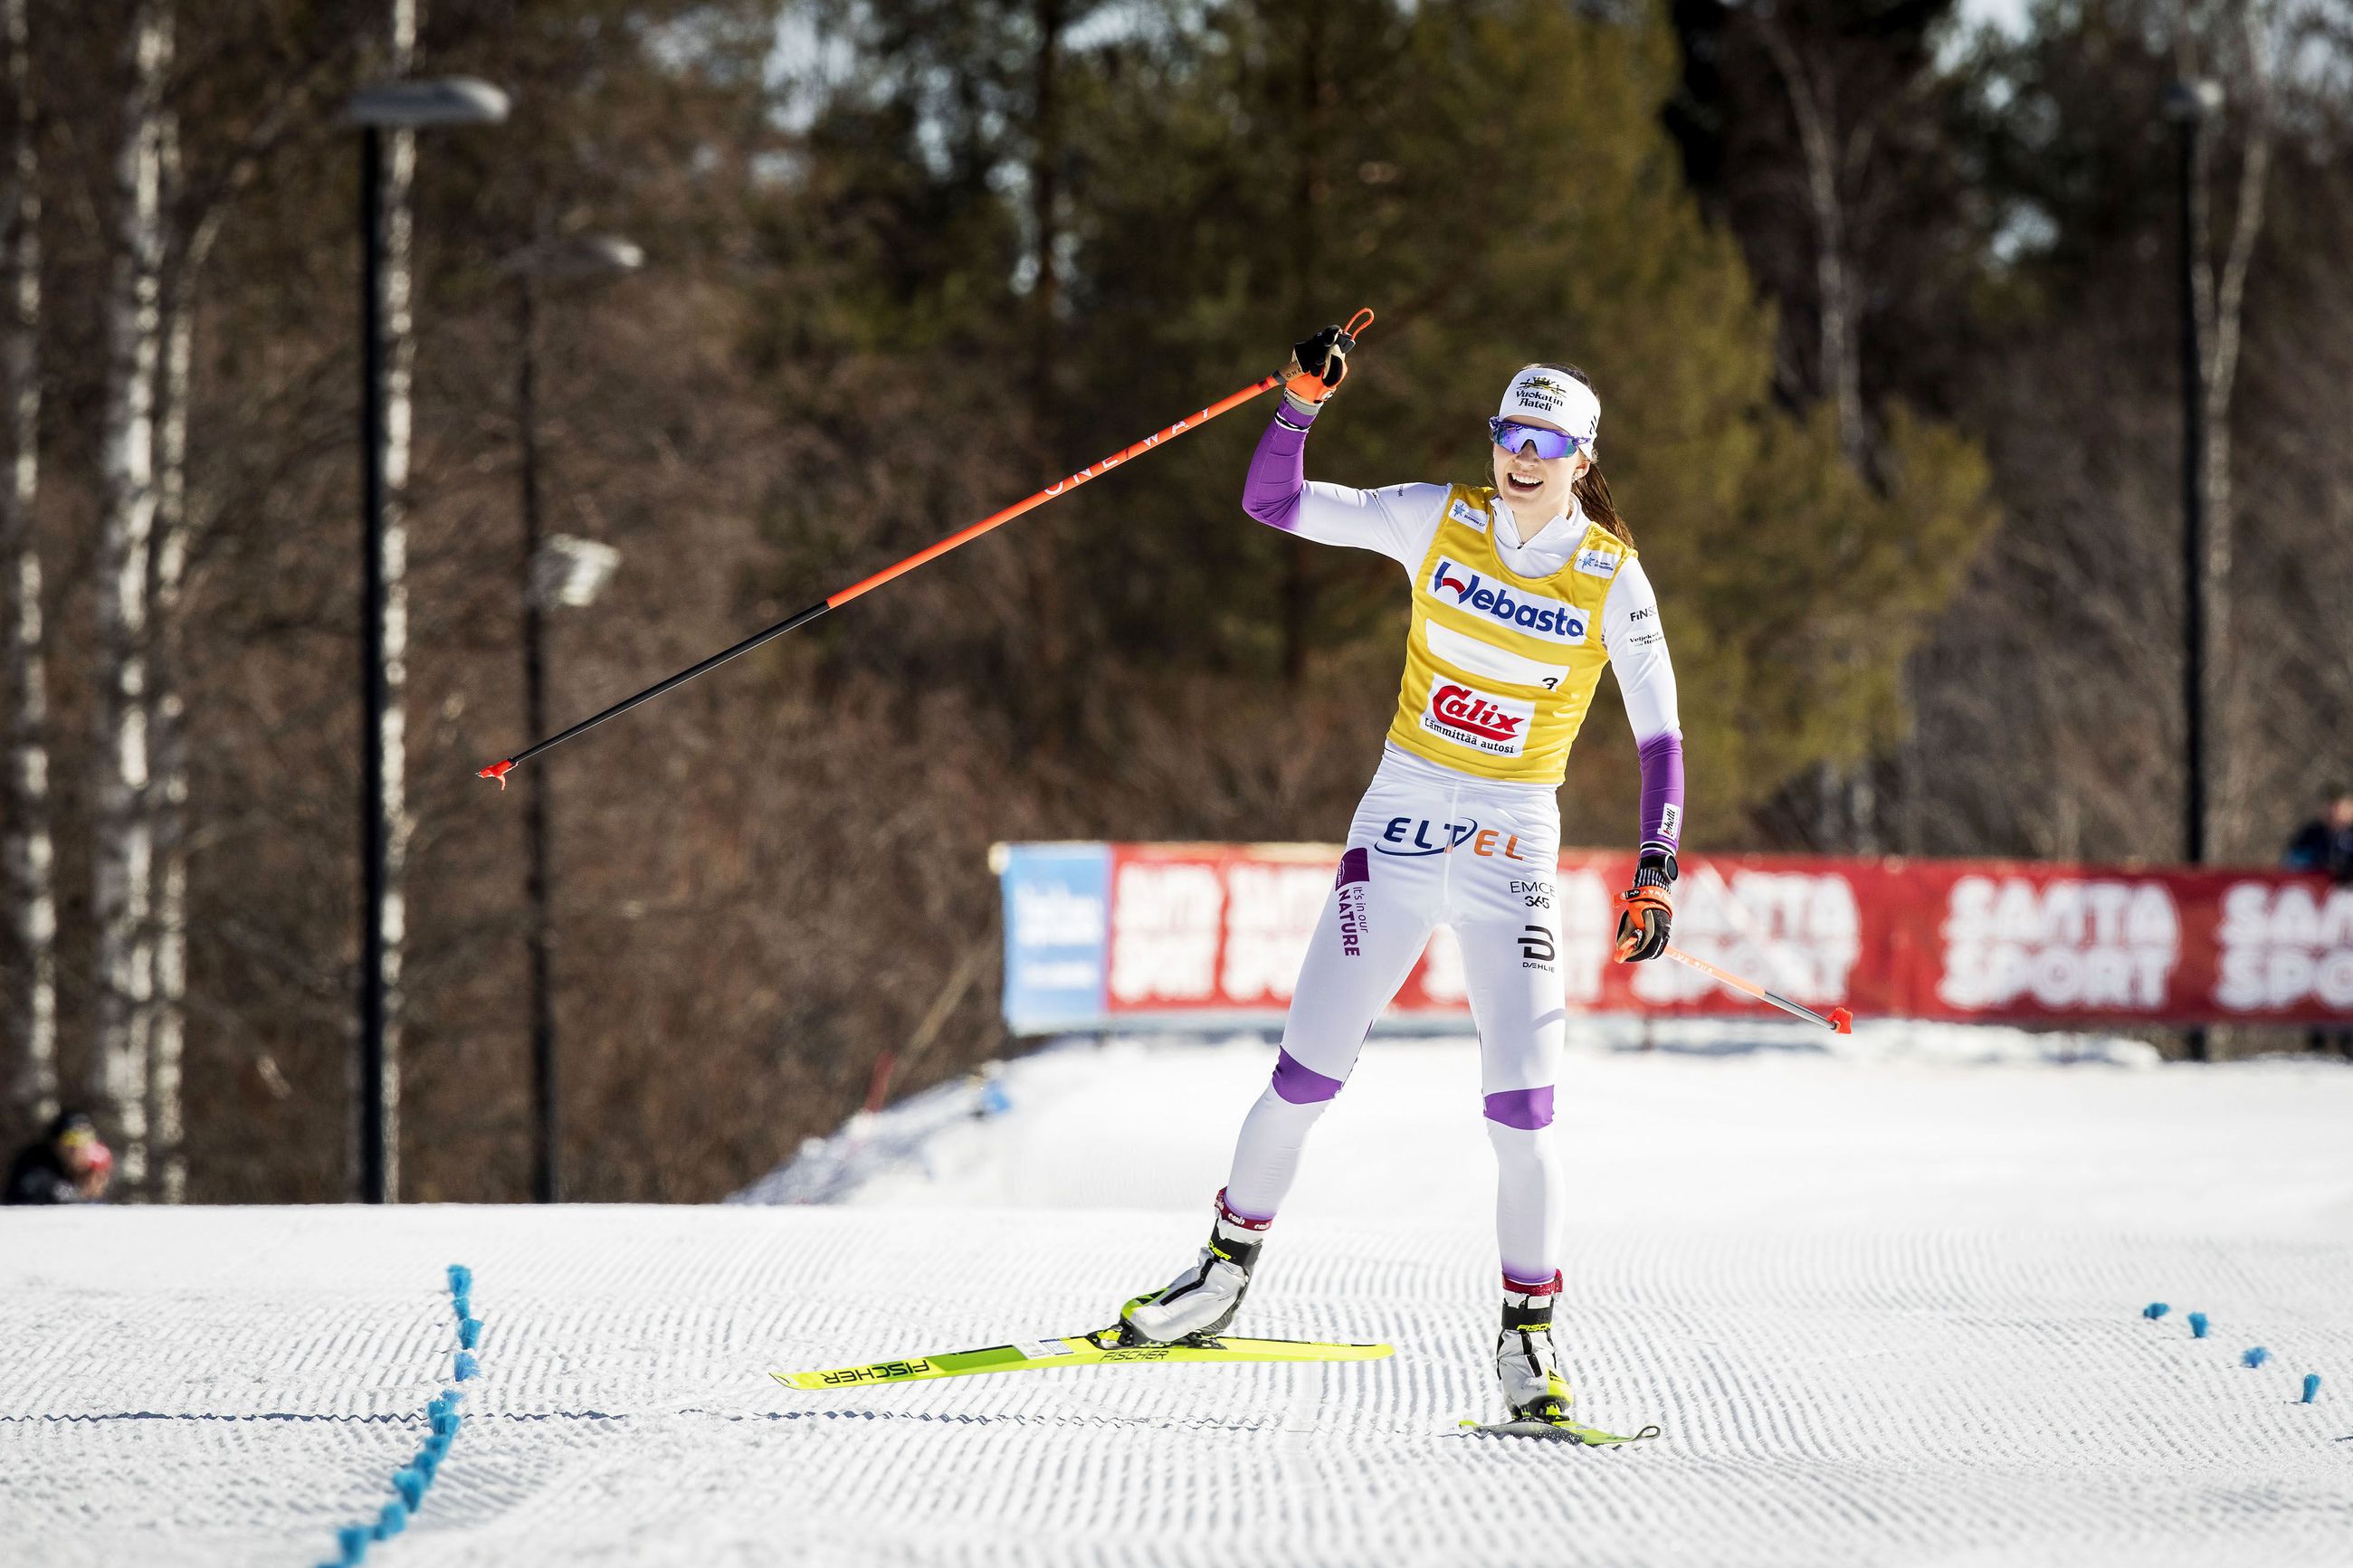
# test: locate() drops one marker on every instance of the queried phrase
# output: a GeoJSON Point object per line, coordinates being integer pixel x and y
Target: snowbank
{"type": "Point", "coordinates": [1905, 1124]}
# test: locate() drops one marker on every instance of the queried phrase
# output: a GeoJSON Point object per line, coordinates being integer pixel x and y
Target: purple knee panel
{"type": "Point", "coordinates": [1301, 1084]}
{"type": "Point", "coordinates": [1526, 1109]}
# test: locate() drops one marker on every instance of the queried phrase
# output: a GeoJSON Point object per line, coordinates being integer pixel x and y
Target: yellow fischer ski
{"type": "Point", "coordinates": [1097, 1349]}
{"type": "Point", "coordinates": [1557, 1430]}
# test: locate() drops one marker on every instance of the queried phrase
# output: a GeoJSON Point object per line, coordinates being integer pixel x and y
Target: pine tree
{"type": "Point", "coordinates": [1508, 195]}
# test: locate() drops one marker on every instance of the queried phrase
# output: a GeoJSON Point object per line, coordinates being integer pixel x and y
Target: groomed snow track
{"type": "Point", "coordinates": [1908, 1334]}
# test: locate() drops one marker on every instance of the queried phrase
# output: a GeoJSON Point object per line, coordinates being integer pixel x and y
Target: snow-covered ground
{"type": "Point", "coordinates": [1884, 1304]}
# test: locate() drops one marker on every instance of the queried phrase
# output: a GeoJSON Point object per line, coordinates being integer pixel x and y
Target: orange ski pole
{"type": "Point", "coordinates": [1839, 1021]}
{"type": "Point", "coordinates": [499, 770]}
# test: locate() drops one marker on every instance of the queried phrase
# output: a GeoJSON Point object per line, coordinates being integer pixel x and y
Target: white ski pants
{"type": "Point", "coordinates": [1431, 847]}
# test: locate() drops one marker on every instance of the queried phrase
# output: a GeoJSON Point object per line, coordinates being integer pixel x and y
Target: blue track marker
{"type": "Point", "coordinates": [414, 1481]}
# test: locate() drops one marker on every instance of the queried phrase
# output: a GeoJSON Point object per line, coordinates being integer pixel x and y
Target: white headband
{"type": "Point", "coordinates": [1564, 400]}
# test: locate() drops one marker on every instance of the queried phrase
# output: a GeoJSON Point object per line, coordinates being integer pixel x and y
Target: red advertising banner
{"type": "Point", "coordinates": [1220, 929]}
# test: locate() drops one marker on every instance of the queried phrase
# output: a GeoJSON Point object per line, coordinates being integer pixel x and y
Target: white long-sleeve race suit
{"type": "Point", "coordinates": [1434, 844]}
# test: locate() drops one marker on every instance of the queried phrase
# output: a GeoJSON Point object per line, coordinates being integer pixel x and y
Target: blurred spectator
{"type": "Point", "coordinates": [67, 1165]}
{"type": "Point", "coordinates": [2326, 843]}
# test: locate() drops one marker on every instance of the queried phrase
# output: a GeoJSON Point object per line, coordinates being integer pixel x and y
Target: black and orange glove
{"type": "Point", "coordinates": [1647, 910]}
{"type": "Point", "coordinates": [1317, 367]}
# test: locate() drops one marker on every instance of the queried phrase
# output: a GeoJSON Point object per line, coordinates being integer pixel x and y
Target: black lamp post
{"type": "Point", "coordinates": [385, 106]}
{"type": "Point", "coordinates": [588, 256]}
{"type": "Point", "coordinates": [2190, 105]}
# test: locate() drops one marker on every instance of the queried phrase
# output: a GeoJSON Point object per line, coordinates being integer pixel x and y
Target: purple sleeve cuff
{"type": "Point", "coordinates": [1278, 472]}
{"type": "Point", "coordinates": [1662, 791]}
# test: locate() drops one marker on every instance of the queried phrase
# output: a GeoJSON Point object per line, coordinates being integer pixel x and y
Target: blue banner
{"type": "Point", "coordinates": [1056, 935]}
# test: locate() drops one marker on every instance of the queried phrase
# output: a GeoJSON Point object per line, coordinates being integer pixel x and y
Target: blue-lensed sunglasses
{"type": "Point", "coordinates": [1512, 436]}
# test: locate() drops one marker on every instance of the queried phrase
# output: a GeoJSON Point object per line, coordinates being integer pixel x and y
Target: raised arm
{"type": "Point", "coordinates": [1396, 520]}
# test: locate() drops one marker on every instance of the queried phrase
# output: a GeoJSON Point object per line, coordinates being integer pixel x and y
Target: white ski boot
{"type": "Point", "coordinates": [1525, 1361]}
{"type": "Point", "coordinates": [1204, 1298]}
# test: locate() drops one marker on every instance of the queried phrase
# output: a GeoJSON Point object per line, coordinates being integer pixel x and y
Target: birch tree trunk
{"type": "Point", "coordinates": [167, 799]}
{"type": "Point", "coordinates": [2221, 304]}
{"type": "Point", "coordinates": [195, 223]}
{"type": "Point", "coordinates": [1845, 801]}
{"type": "Point", "coordinates": [1839, 367]}
{"type": "Point", "coordinates": [400, 362]}
{"type": "Point", "coordinates": [123, 906]}
{"type": "Point", "coordinates": [32, 1005]}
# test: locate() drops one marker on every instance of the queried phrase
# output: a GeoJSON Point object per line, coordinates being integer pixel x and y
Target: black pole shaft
{"type": "Point", "coordinates": [797, 619]}
{"type": "Point", "coordinates": [546, 1181]}
{"type": "Point", "coordinates": [2193, 530]}
{"type": "Point", "coordinates": [2193, 510]}
{"type": "Point", "coordinates": [373, 1166]}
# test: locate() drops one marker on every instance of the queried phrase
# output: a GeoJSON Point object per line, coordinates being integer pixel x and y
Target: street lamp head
{"type": "Point", "coordinates": [610, 252]}
{"type": "Point", "coordinates": [409, 105]}
{"type": "Point", "coordinates": [569, 572]}
{"type": "Point", "coordinates": [2188, 102]}
{"type": "Point", "coordinates": [581, 255]}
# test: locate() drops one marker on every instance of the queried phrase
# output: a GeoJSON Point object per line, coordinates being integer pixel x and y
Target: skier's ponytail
{"type": "Point", "coordinates": [1592, 489]}
{"type": "Point", "coordinates": [1593, 495]}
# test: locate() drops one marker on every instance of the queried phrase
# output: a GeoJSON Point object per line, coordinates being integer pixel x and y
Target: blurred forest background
{"type": "Point", "coordinates": [1882, 308]}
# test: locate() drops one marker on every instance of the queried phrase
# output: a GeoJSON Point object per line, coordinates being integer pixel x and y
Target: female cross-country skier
{"type": "Point", "coordinates": [1522, 591]}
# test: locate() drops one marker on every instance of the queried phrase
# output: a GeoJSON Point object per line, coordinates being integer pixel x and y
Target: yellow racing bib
{"type": "Point", "coordinates": [1500, 669]}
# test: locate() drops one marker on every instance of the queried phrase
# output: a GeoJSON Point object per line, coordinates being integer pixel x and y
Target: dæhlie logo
{"type": "Point", "coordinates": [1467, 709]}
{"type": "Point", "coordinates": [1546, 618]}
